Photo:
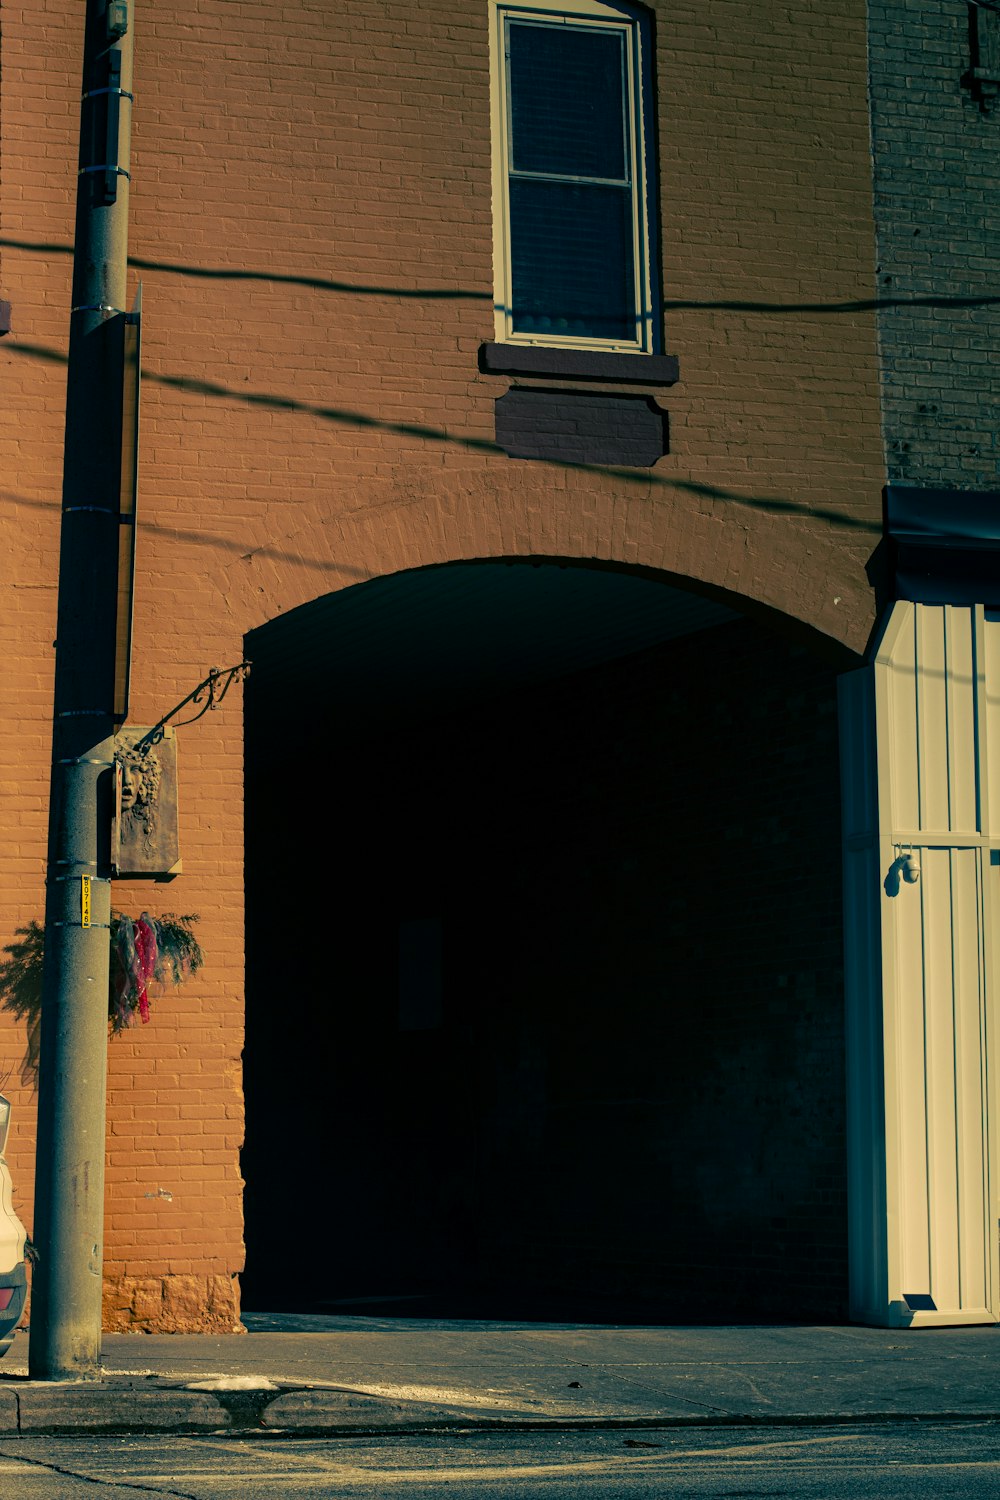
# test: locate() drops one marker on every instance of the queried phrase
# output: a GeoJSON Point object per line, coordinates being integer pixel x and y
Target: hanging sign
{"type": "Point", "coordinates": [144, 837]}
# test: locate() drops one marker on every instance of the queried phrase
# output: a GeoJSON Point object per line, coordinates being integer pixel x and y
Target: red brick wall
{"type": "Point", "coordinates": [315, 423]}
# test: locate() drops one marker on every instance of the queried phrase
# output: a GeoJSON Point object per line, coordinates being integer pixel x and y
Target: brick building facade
{"type": "Point", "coordinates": [350, 463]}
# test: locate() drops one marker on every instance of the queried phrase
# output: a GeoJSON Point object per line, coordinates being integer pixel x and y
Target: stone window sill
{"type": "Point", "coordinates": [578, 364]}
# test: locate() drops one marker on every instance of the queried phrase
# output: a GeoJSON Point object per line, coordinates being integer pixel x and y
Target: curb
{"type": "Point", "coordinates": [99, 1408]}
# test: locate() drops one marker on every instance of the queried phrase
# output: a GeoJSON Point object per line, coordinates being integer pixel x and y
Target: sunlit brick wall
{"type": "Point", "coordinates": [311, 220]}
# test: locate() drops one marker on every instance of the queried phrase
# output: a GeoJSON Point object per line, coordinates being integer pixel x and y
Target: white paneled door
{"type": "Point", "coordinates": [921, 781]}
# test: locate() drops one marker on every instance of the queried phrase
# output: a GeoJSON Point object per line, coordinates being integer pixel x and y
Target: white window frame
{"type": "Point", "coordinates": [592, 15]}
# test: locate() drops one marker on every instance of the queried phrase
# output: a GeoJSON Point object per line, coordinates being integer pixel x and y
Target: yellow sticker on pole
{"type": "Point", "coordinates": [85, 900]}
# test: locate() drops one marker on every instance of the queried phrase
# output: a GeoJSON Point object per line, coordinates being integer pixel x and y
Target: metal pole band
{"type": "Point", "coordinates": [122, 94]}
{"type": "Point", "coordinates": [85, 713]}
{"type": "Point", "coordinates": [81, 760]}
{"type": "Point", "coordinates": [96, 879]}
{"type": "Point", "coordinates": [80, 924]}
{"type": "Point", "coordinates": [109, 166]}
{"type": "Point", "coordinates": [95, 307]}
{"type": "Point", "coordinates": [92, 510]}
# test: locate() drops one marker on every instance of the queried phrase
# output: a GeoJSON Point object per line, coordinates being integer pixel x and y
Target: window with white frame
{"type": "Point", "coordinates": [572, 176]}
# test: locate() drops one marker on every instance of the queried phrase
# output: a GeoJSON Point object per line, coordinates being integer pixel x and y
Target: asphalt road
{"type": "Point", "coordinates": [903, 1460]}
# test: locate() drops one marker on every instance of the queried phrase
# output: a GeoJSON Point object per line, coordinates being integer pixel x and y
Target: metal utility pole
{"type": "Point", "coordinates": [69, 1194]}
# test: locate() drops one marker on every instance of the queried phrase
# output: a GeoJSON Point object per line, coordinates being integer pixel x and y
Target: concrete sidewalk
{"type": "Point", "coordinates": [309, 1375]}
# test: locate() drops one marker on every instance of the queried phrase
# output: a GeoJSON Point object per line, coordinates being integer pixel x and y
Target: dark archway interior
{"type": "Point", "coordinates": [544, 990]}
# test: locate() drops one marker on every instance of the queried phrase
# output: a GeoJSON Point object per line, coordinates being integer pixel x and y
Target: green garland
{"type": "Point", "coordinates": [157, 950]}
{"type": "Point", "coordinates": [177, 954]}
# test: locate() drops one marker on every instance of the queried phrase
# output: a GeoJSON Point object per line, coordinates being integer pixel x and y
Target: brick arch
{"type": "Point", "coordinates": [809, 571]}
{"type": "Point", "coordinates": [707, 595]}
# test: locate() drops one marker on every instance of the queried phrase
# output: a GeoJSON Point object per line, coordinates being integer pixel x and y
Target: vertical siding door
{"type": "Point", "coordinates": [921, 748]}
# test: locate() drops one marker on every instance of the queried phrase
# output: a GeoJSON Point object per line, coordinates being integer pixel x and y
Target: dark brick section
{"type": "Point", "coordinates": [937, 200]}
{"type": "Point", "coordinates": [572, 427]}
{"type": "Point", "coordinates": [579, 364]}
{"type": "Point", "coordinates": [635, 1096]}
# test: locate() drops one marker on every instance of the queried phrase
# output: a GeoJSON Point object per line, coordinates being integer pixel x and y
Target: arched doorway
{"type": "Point", "coordinates": [544, 981]}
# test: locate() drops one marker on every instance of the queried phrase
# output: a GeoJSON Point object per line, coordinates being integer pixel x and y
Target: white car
{"type": "Point", "coordinates": [13, 1282]}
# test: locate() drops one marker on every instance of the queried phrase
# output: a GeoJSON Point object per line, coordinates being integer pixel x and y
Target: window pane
{"type": "Point", "coordinates": [567, 101]}
{"type": "Point", "coordinates": [571, 259]}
